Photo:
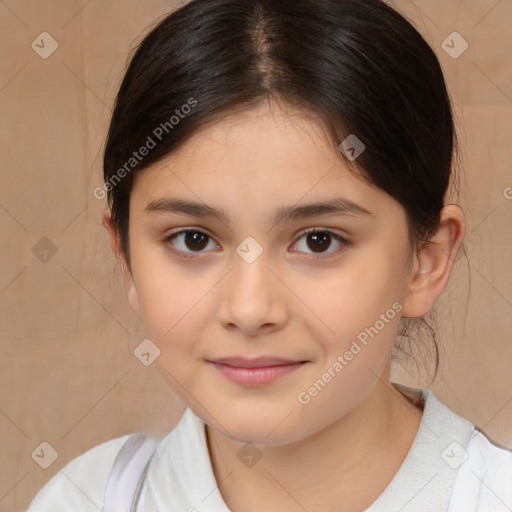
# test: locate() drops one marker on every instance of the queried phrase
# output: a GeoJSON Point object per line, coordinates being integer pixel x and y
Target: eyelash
{"type": "Point", "coordinates": [345, 244]}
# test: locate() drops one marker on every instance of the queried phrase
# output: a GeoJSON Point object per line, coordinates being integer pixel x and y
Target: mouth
{"type": "Point", "coordinates": [255, 372]}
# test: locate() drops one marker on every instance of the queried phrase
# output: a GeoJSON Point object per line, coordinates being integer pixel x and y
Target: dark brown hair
{"type": "Point", "coordinates": [357, 65]}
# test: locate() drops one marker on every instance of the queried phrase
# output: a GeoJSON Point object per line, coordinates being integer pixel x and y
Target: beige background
{"type": "Point", "coordinates": [69, 376]}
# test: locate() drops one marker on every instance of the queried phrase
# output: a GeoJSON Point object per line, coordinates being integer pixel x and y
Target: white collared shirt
{"type": "Point", "coordinates": [451, 466]}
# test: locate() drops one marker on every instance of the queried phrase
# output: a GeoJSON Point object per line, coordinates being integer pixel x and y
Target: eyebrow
{"type": "Point", "coordinates": [336, 206]}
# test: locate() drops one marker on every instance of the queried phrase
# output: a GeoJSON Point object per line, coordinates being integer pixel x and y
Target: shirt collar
{"type": "Point", "coordinates": [180, 476]}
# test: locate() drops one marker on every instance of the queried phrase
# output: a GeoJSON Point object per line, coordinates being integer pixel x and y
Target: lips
{"type": "Point", "coordinates": [255, 372]}
{"type": "Point", "coordinates": [260, 362]}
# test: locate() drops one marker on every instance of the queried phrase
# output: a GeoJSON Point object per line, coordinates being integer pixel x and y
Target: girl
{"type": "Point", "coordinates": [277, 174]}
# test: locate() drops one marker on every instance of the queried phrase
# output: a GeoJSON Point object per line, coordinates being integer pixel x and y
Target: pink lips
{"type": "Point", "coordinates": [255, 372]}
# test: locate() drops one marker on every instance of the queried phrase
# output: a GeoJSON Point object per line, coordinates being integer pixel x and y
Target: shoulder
{"type": "Point", "coordinates": [495, 460]}
{"type": "Point", "coordinates": [484, 478]}
{"type": "Point", "coordinates": [80, 485]}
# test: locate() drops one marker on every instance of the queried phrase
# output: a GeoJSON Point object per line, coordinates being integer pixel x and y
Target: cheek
{"type": "Point", "coordinates": [173, 307]}
{"type": "Point", "coordinates": [356, 296]}
{"type": "Point", "coordinates": [361, 306]}
{"type": "Point", "coordinates": [174, 317]}
{"type": "Point", "coordinates": [172, 297]}
{"type": "Point", "coordinates": [362, 310]}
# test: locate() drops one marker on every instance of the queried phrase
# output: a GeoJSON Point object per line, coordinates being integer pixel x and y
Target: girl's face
{"type": "Point", "coordinates": [247, 281]}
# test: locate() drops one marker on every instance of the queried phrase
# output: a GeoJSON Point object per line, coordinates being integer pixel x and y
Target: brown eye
{"type": "Point", "coordinates": [195, 240]}
{"type": "Point", "coordinates": [189, 241]}
{"type": "Point", "coordinates": [318, 241]}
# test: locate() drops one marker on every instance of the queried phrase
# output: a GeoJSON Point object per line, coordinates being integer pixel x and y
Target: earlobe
{"type": "Point", "coordinates": [433, 263]}
{"type": "Point", "coordinates": [129, 283]}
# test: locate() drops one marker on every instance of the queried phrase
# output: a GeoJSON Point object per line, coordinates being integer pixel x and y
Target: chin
{"type": "Point", "coordinates": [259, 427]}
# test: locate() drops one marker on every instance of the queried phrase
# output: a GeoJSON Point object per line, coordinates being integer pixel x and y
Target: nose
{"type": "Point", "coordinates": [253, 299]}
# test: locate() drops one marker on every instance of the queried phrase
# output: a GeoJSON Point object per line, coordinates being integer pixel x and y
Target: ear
{"type": "Point", "coordinates": [433, 263]}
{"type": "Point", "coordinates": [115, 242]}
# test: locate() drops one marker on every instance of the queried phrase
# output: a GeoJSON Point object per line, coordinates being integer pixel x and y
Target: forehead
{"type": "Point", "coordinates": [266, 156]}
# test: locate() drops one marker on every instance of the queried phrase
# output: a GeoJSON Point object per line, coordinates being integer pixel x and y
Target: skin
{"type": "Point", "coordinates": [351, 438]}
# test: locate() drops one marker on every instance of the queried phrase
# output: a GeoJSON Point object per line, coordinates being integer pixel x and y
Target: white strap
{"type": "Point", "coordinates": [129, 469]}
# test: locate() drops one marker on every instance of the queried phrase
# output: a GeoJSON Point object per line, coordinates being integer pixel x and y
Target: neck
{"type": "Point", "coordinates": [354, 458]}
